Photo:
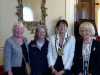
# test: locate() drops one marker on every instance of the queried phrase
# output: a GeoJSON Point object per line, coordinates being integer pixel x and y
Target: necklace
{"type": "Point", "coordinates": [60, 50]}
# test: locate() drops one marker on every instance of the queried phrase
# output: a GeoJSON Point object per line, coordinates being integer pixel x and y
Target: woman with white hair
{"type": "Point", "coordinates": [87, 51]}
{"type": "Point", "coordinates": [15, 52]}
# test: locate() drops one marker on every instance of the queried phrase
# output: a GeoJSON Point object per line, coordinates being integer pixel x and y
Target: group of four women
{"type": "Point", "coordinates": [60, 54]}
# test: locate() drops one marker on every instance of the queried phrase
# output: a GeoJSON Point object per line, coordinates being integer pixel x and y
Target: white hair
{"type": "Point", "coordinates": [17, 24]}
{"type": "Point", "coordinates": [87, 25]}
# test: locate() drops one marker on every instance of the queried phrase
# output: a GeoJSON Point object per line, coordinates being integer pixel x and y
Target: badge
{"type": "Point", "coordinates": [60, 51]}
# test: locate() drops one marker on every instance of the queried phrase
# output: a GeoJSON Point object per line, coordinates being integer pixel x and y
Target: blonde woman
{"type": "Point", "coordinates": [14, 50]}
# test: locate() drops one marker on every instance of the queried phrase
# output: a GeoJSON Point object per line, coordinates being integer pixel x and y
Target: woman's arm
{"type": "Point", "coordinates": [71, 53]}
{"type": "Point", "coordinates": [49, 55]}
{"type": "Point", "coordinates": [7, 56]}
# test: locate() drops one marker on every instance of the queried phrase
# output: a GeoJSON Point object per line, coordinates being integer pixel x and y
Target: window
{"type": "Point", "coordinates": [28, 15]}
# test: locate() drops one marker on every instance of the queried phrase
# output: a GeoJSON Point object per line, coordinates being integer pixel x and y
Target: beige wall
{"type": "Point", "coordinates": [7, 18]}
{"type": "Point", "coordinates": [60, 8]}
{"type": "Point", "coordinates": [56, 9]}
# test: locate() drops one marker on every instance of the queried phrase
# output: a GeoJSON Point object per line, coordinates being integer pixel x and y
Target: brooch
{"type": "Point", "coordinates": [94, 49]}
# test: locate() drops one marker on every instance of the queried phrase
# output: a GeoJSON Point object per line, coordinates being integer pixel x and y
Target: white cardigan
{"type": "Point", "coordinates": [69, 49]}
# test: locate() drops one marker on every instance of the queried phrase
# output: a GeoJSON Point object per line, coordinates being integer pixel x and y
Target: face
{"type": "Point", "coordinates": [19, 30]}
{"type": "Point", "coordinates": [62, 28]}
{"type": "Point", "coordinates": [86, 34]}
{"type": "Point", "coordinates": [41, 34]}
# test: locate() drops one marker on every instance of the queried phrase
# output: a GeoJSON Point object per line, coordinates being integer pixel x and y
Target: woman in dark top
{"type": "Point", "coordinates": [87, 52]}
{"type": "Point", "coordinates": [14, 50]}
{"type": "Point", "coordinates": [38, 49]}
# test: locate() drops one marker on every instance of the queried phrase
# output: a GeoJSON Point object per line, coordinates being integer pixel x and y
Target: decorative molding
{"type": "Point", "coordinates": [43, 12]}
{"type": "Point", "coordinates": [19, 12]}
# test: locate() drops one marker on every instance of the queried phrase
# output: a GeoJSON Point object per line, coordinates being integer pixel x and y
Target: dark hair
{"type": "Point", "coordinates": [61, 21]}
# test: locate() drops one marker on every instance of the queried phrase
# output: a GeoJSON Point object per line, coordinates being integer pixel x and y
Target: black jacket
{"type": "Point", "coordinates": [38, 58]}
{"type": "Point", "coordinates": [94, 62]}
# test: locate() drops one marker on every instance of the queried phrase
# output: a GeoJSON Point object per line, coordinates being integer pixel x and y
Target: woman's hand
{"type": "Point", "coordinates": [54, 71]}
{"type": "Point", "coordinates": [90, 73]}
{"type": "Point", "coordinates": [80, 73]}
{"type": "Point", "coordinates": [61, 72]}
{"type": "Point", "coordinates": [10, 72]}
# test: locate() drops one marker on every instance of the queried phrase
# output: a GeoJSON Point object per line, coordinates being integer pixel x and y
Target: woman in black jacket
{"type": "Point", "coordinates": [38, 49]}
{"type": "Point", "coordinates": [87, 52]}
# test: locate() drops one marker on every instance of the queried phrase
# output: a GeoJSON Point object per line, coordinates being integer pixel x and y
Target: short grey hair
{"type": "Point", "coordinates": [87, 25]}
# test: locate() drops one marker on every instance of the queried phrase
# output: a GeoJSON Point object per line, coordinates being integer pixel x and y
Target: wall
{"type": "Point", "coordinates": [56, 9]}
{"type": "Point", "coordinates": [7, 19]}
